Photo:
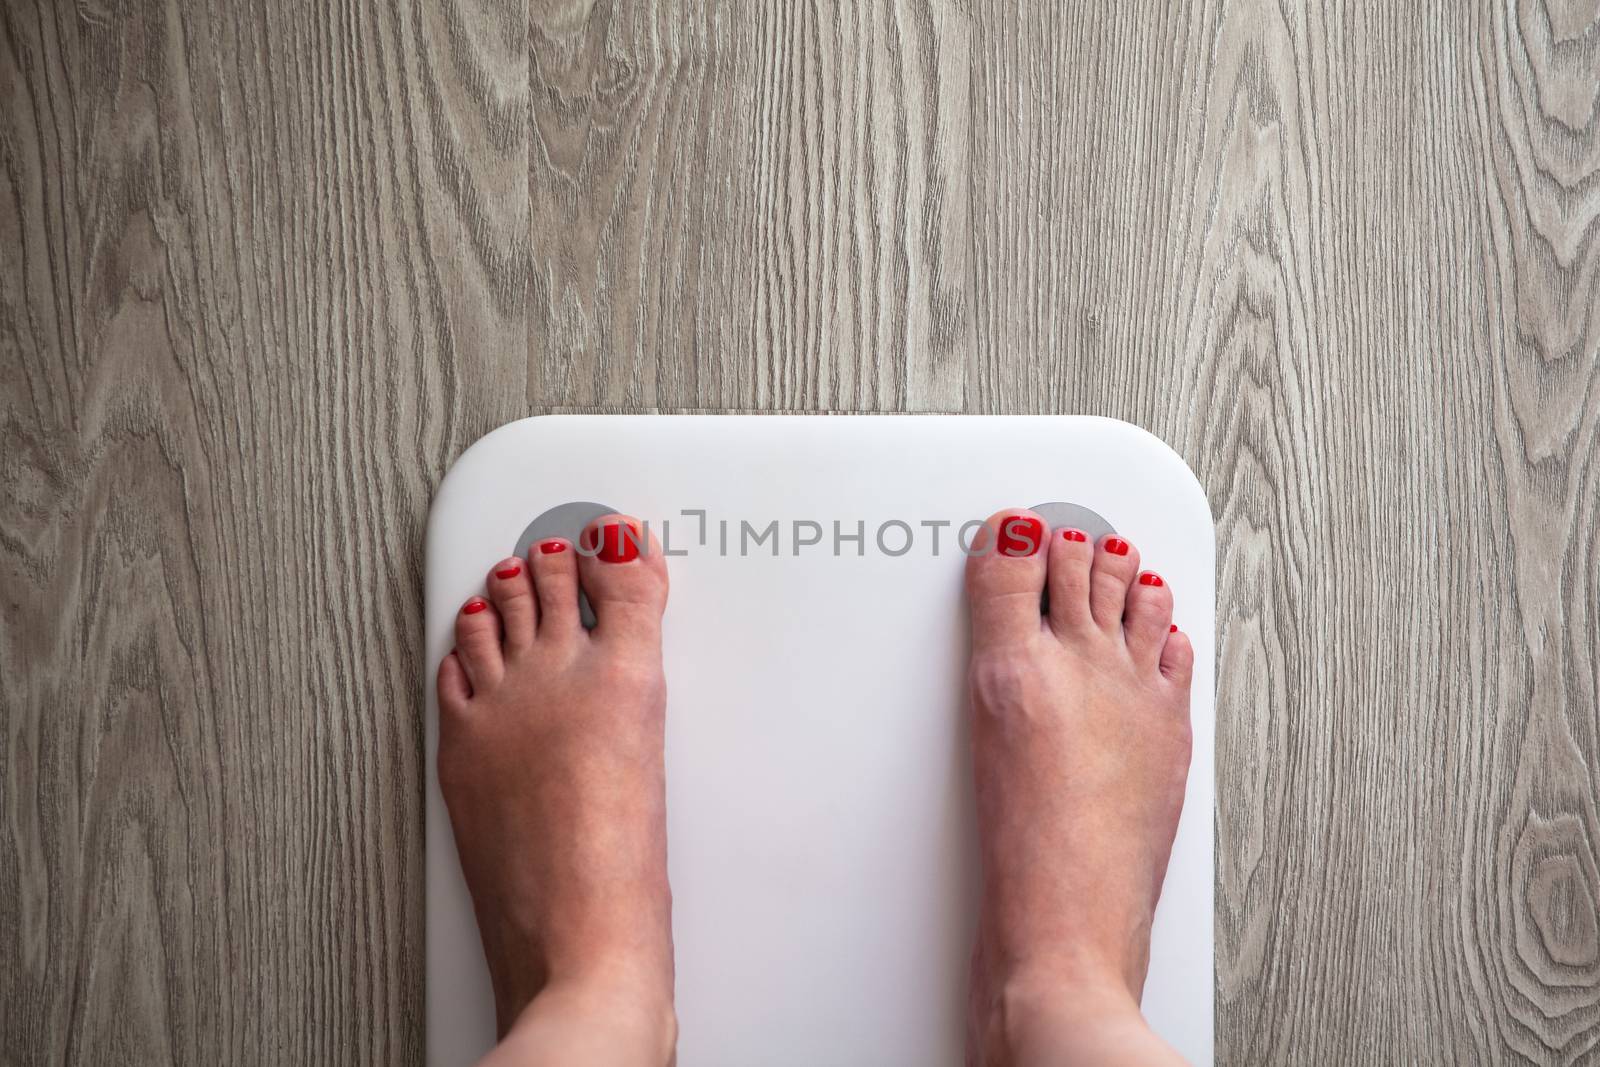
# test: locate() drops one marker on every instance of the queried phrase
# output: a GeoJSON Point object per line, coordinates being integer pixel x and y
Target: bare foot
{"type": "Point", "coordinates": [551, 764]}
{"type": "Point", "coordinates": [1080, 739]}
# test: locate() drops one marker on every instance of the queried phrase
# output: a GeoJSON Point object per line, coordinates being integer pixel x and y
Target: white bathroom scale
{"type": "Point", "coordinates": [820, 809]}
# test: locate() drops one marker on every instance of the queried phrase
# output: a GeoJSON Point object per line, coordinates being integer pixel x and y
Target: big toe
{"type": "Point", "coordinates": [624, 575]}
{"type": "Point", "coordinates": [1005, 577]}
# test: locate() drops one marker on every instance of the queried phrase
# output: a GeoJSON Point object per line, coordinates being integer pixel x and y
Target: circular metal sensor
{"type": "Point", "coordinates": [565, 521]}
{"type": "Point", "coordinates": [1060, 515]}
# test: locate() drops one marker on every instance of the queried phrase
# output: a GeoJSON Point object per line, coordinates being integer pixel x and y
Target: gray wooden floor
{"type": "Point", "coordinates": [267, 268]}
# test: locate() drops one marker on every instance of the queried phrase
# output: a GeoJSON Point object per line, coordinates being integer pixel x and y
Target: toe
{"type": "Point", "coordinates": [1071, 556]}
{"type": "Point", "coordinates": [454, 691]}
{"type": "Point", "coordinates": [1147, 618]}
{"type": "Point", "coordinates": [555, 579]}
{"type": "Point", "coordinates": [1006, 568]}
{"type": "Point", "coordinates": [478, 643]}
{"type": "Point", "coordinates": [624, 576]}
{"type": "Point", "coordinates": [1177, 658]}
{"type": "Point", "coordinates": [512, 592]}
{"type": "Point", "coordinates": [1115, 564]}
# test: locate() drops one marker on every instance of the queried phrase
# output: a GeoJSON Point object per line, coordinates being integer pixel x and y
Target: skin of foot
{"type": "Point", "coordinates": [1080, 741]}
{"type": "Point", "coordinates": [551, 765]}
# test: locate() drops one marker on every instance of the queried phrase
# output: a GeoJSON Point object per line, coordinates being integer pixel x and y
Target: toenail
{"type": "Point", "coordinates": [475, 605]}
{"type": "Point", "coordinates": [1021, 535]}
{"type": "Point", "coordinates": [1116, 546]}
{"type": "Point", "coordinates": [552, 546]}
{"type": "Point", "coordinates": [510, 570]}
{"type": "Point", "coordinates": [1149, 578]}
{"type": "Point", "coordinates": [618, 542]}
{"type": "Point", "coordinates": [1074, 535]}
{"type": "Point", "coordinates": [1174, 629]}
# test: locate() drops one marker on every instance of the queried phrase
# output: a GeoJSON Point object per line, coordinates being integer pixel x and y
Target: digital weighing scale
{"type": "Point", "coordinates": [820, 811]}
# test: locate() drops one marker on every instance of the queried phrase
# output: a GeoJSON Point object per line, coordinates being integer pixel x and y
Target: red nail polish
{"type": "Point", "coordinates": [1074, 535]}
{"type": "Point", "coordinates": [1174, 628]}
{"type": "Point", "coordinates": [551, 547]}
{"type": "Point", "coordinates": [619, 543]}
{"type": "Point", "coordinates": [475, 605]}
{"type": "Point", "coordinates": [510, 570]}
{"type": "Point", "coordinates": [1149, 578]}
{"type": "Point", "coordinates": [1020, 535]}
{"type": "Point", "coordinates": [1116, 546]}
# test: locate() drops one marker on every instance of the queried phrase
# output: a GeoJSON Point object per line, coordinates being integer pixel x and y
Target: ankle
{"type": "Point", "coordinates": [598, 973]}
{"type": "Point", "coordinates": [629, 1019]}
{"type": "Point", "coordinates": [1060, 1016]}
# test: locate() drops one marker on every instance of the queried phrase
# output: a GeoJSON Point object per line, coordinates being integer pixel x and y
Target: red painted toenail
{"type": "Point", "coordinates": [1150, 578]}
{"type": "Point", "coordinates": [475, 605]}
{"type": "Point", "coordinates": [1174, 628]}
{"type": "Point", "coordinates": [1074, 535]}
{"type": "Point", "coordinates": [1021, 535]}
{"type": "Point", "coordinates": [619, 542]}
{"type": "Point", "coordinates": [1116, 546]}
{"type": "Point", "coordinates": [510, 570]}
{"type": "Point", "coordinates": [552, 546]}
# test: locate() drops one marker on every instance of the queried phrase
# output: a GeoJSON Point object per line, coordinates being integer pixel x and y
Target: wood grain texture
{"type": "Point", "coordinates": [261, 265]}
{"type": "Point", "coordinates": [1343, 258]}
{"type": "Point", "coordinates": [268, 268]}
{"type": "Point", "coordinates": [749, 205]}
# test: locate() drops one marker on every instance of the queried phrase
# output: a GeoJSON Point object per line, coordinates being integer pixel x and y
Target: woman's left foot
{"type": "Point", "coordinates": [551, 763]}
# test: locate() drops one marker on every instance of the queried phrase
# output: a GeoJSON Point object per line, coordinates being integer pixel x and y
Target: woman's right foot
{"type": "Point", "coordinates": [1081, 738]}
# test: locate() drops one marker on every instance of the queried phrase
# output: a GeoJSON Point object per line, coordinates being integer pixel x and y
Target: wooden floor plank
{"type": "Point", "coordinates": [262, 267]}
{"type": "Point", "coordinates": [749, 205]}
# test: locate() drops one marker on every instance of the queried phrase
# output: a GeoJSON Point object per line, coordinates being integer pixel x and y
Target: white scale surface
{"type": "Point", "coordinates": [820, 805]}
